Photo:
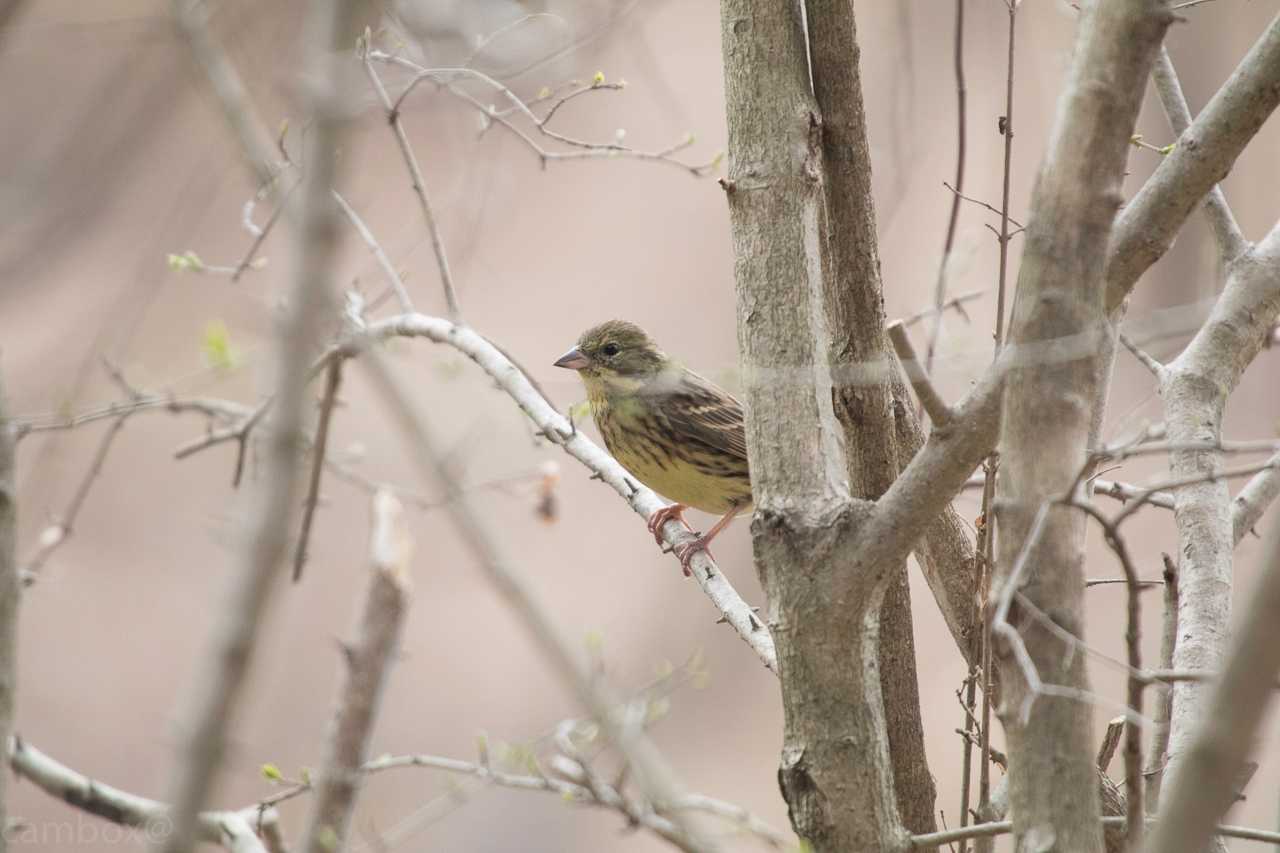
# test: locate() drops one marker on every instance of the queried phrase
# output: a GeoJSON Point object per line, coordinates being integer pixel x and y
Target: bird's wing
{"type": "Point", "coordinates": [700, 411]}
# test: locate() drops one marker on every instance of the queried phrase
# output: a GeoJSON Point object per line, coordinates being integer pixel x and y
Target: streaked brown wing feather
{"type": "Point", "coordinates": [699, 412]}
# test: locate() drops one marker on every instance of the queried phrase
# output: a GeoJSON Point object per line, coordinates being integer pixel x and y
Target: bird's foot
{"type": "Point", "coordinates": [686, 551]}
{"type": "Point", "coordinates": [667, 513]}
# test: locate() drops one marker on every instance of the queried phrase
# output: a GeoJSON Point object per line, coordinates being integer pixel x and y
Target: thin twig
{"type": "Point", "coordinates": [938, 410]}
{"type": "Point", "coordinates": [1157, 369]}
{"type": "Point", "coordinates": [394, 280]}
{"type": "Point", "coordinates": [60, 531]}
{"type": "Point", "coordinates": [956, 302]}
{"type": "Point", "coordinates": [419, 189]}
{"type": "Point", "coordinates": [333, 379]}
{"type": "Point", "coordinates": [233, 830]}
{"type": "Point", "coordinates": [1154, 773]}
{"type": "Point", "coordinates": [953, 220]}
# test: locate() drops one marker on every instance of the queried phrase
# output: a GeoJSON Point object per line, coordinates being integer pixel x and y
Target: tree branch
{"type": "Point", "coordinates": [650, 769]}
{"type": "Point", "coordinates": [217, 689]}
{"type": "Point", "coordinates": [1202, 786]}
{"type": "Point", "coordinates": [1048, 415]}
{"type": "Point", "coordinates": [1205, 153]}
{"type": "Point", "coordinates": [1195, 390]}
{"type": "Point", "coordinates": [556, 428]}
{"type": "Point", "coordinates": [1231, 243]}
{"type": "Point", "coordinates": [367, 664]}
{"type": "Point", "coordinates": [233, 830]}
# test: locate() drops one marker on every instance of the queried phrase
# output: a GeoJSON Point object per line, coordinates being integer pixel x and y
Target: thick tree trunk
{"type": "Point", "coordinates": [1058, 334]}
{"type": "Point", "coordinates": [836, 773]}
{"type": "Point", "coordinates": [858, 353]}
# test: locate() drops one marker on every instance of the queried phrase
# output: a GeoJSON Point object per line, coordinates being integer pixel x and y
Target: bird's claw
{"type": "Point", "coordinates": [662, 516]}
{"type": "Point", "coordinates": [686, 550]}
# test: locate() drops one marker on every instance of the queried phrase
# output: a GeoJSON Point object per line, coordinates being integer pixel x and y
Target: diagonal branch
{"type": "Point", "coordinates": [220, 683]}
{"type": "Point", "coordinates": [1231, 243]}
{"type": "Point", "coordinates": [559, 430]}
{"type": "Point", "coordinates": [1205, 153]}
{"type": "Point", "coordinates": [236, 831]}
{"type": "Point", "coordinates": [367, 664]}
{"type": "Point", "coordinates": [648, 766]}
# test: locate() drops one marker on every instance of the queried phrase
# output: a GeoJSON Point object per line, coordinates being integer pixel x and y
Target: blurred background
{"type": "Point", "coordinates": [116, 155]}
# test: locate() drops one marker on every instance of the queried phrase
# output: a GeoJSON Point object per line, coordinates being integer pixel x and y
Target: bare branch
{"type": "Point", "coordinates": [219, 684]}
{"type": "Point", "coordinates": [1145, 229]}
{"type": "Point", "coordinates": [192, 17]}
{"type": "Point", "coordinates": [388, 269]}
{"type": "Point", "coordinates": [419, 188]}
{"type": "Point", "coordinates": [367, 663]}
{"type": "Point", "coordinates": [550, 423]}
{"type": "Point", "coordinates": [938, 411]}
{"type": "Point", "coordinates": [233, 830]}
{"type": "Point", "coordinates": [53, 536]}
{"type": "Point", "coordinates": [1154, 771]}
{"type": "Point", "coordinates": [1231, 243]}
{"type": "Point", "coordinates": [940, 288]}
{"type": "Point", "coordinates": [1254, 498]}
{"type": "Point", "coordinates": [1156, 368]}
{"type": "Point", "coordinates": [1110, 742]}
{"type": "Point", "coordinates": [1203, 785]}
{"type": "Point", "coordinates": [333, 378]}
{"type": "Point", "coordinates": [653, 775]}
{"type": "Point", "coordinates": [937, 839]}
{"type": "Point", "coordinates": [1195, 390]}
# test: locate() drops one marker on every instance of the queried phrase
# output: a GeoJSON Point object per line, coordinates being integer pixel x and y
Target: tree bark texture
{"type": "Point", "coordinates": [1058, 333]}
{"type": "Point", "coordinates": [862, 395]}
{"type": "Point", "coordinates": [835, 773]}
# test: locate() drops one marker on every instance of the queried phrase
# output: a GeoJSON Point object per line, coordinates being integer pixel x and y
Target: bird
{"type": "Point", "coordinates": [678, 433]}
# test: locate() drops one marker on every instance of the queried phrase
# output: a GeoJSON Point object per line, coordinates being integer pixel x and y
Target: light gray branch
{"type": "Point", "coordinates": [237, 831]}
{"type": "Point", "coordinates": [367, 664]}
{"type": "Point", "coordinates": [1205, 153]}
{"type": "Point", "coordinates": [1253, 499]}
{"type": "Point", "coordinates": [550, 423]}
{"type": "Point", "coordinates": [1231, 242]}
{"type": "Point", "coordinates": [1203, 786]}
{"type": "Point", "coordinates": [624, 732]}
{"type": "Point", "coordinates": [1048, 416]}
{"type": "Point", "coordinates": [933, 403]}
{"type": "Point", "coordinates": [1195, 389]}
{"type": "Point", "coordinates": [220, 681]}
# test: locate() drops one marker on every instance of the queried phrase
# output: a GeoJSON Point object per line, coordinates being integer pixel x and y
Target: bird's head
{"type": "Point", "coordinates": [613, 352]}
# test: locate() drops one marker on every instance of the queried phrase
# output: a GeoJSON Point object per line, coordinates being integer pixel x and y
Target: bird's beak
{"type": "Point", "coordinates": [573, 359]}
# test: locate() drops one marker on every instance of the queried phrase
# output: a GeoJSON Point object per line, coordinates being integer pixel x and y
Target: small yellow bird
{"type": "Point", "coordinates": [676, 432]}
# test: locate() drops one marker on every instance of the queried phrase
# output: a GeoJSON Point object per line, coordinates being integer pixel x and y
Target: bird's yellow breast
{"type": "Point", "coordinates": [636, 437]}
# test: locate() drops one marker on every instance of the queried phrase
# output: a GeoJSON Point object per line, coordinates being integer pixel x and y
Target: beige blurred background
{"type": "Point", "coordinates": [115, 154]}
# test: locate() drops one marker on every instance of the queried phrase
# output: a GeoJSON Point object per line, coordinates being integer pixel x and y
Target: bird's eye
{"type": "Point", "coordinates": [610, 349]}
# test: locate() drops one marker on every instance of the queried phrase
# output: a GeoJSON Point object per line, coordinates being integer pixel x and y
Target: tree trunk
{"type": "Point", "coordinates": [1058, 332]}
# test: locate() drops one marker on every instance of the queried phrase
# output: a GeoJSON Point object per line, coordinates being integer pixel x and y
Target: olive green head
{"type": "Point", "coordinates": [614, 349]}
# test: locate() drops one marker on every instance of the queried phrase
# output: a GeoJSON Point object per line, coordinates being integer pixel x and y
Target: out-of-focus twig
{"type": "Point", "coordinates": [367, 663]}
{"type": "Point", "coordinates": [233, 830]}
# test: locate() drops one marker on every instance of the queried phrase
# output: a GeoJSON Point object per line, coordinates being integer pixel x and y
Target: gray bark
{"type": "Point", "coordinates": [1205, 787]}
{"type": "Point", "coordinates": [836, 773]}
{"type": "Point", "coordinates": [1195, 387]}
{"type": "Point", "coordinates": [1049, 409]}
{"type": "Point", "coordinates": [854, 300]}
